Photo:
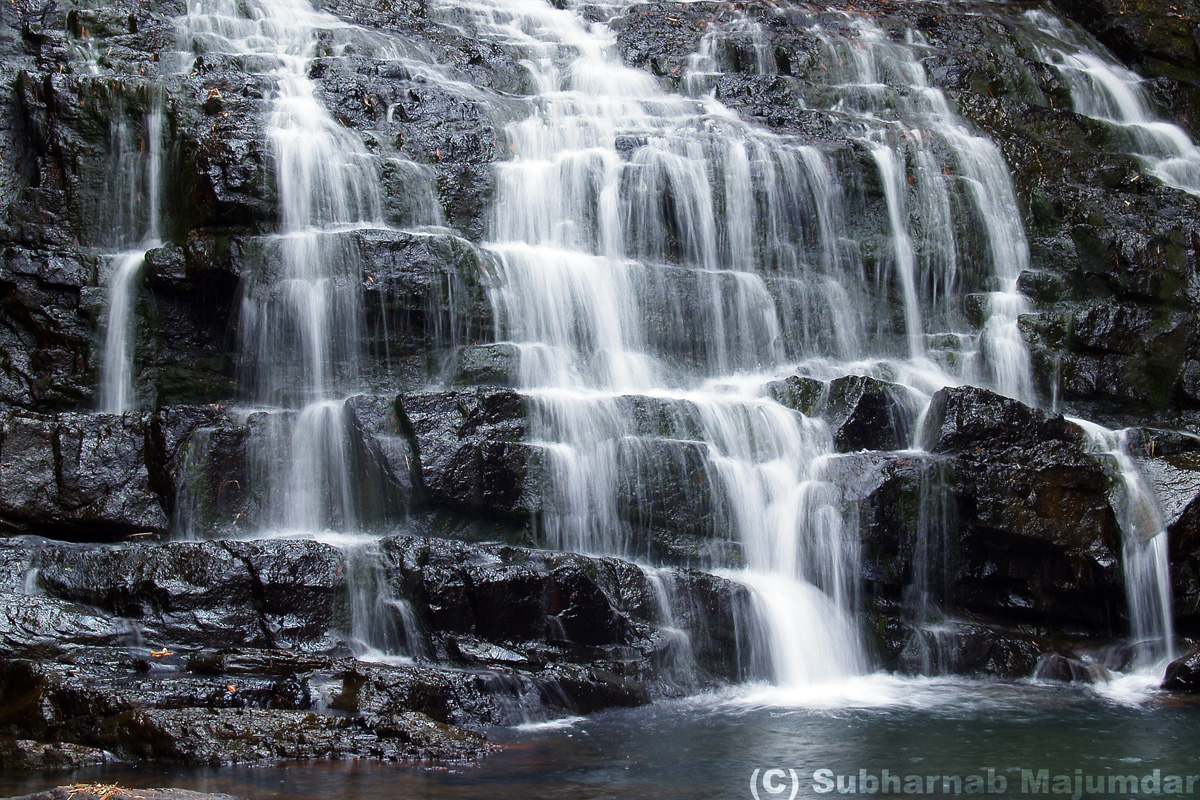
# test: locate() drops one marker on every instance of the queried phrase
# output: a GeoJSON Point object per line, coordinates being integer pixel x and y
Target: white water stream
{"type": "Point", "coordinates": [1103, 89]}
{"type": "Point", "coordinates": [654, 250]}
{"type": "Point", "coordinates": [137, 229]}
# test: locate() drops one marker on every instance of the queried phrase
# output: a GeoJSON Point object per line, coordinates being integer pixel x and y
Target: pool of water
{"type": "Point", "coordinates": [726, 746]}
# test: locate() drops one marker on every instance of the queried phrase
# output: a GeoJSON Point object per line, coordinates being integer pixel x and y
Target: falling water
{"type": "Point", "coordinates": [300, 312]}
{"type": "Point", "coordinates": [1143, 552]}
{"type": "Point", "coordinates": [933, 168]}
{"type": "Point", "coordinates": [375, 627]}
{"type": "Point", "coordinates": [137, 185]}
{"type": "Point", "coordinates": [1103, 89]}
{"type": "Point", "coordinates": [676, 659]}
{"type": "Point", "coordinates": [659, 261]}
{"type": "Point", "coordinates": [933, 644]}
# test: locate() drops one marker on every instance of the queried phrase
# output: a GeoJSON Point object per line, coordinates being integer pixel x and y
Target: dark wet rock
{"type": "Point", "coordinates": [1071, 668]}
{"type": "Point", "coordinates": [471, 451]}
{"type": "Point", "coordinates": [1183, 674]}
{"type": "Point", "coordinates": [224, 736]}
{"type": "Point", "coordinates": [659, 37]}
{"type": "Point", "coordinates": [667, 483]}
{"type": "Point", "coordinates": [47, 624]}
{"type": "Point", "coordinates": [239, 642]}
{"type": "Point", "coordinates": [176, 436]}
{"type": "Point", "coordinates": [1045, 287]}
{"type": "Point", "coordinates": [77, 476]}
{"type": "Point", "coordinates": [574, 600]}
{"type": "Point", "coordinates": [67, 121]}
{"type": "Point", "coordinates": [964, 417]}
{"type": "Point", "coordinates": [960, 646]}
{"type": "Point", "coordinates": [45, 328]}
{"type": "Point", "coordinates": [1135, 354]}
{"type": "Point", "coordinates": [1160, 442]}
{"type": "Point", "coordinates": [188, 593]}
{"type": "Point", "coordinates": [187, 311]}
{"type": "Point", "coordinates": [445, 131]}
{"type": "Point", "coordinates": [219, 471]}
{"type": "Point", "coordinates": [1175, 480]}
{"type": "Point", "coordinates": [1156, 37]}
{"type": "Point", "coordinates": [1036, 506]}
{"type": "Point", "coordinates": [485, 365]}
{"type": "Point", "coordinates": [1009, 520]}
{"type": "Point", "coordinates": [799, 393]}
{"type": "Point", "coordinates": [906, 517]}
{"type": "Point", "coordinates": [389, 470]}
{"type": "Point", "coordinates": [224, 157]}
{"type": "Point", "coordinates": [24, 755]}
{"type": "Point", "coordinates": [867, 414]}
{"type": "Point", "coordinates": [659, 417]}
{"type": "Point", "coordinates": [423, 294]}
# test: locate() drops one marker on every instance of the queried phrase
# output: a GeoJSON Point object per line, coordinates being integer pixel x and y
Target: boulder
{"type": "Point", "coordinates": [77, 476]}
{"type": "Point", "coordinates": [472, 457]}
{"type": "Point", "coordinates": [1008, 518]}
{"type": "Point", "coordinates": [799, 393]}
{"type": "Point", "coordinates": [868, 414]}
{"type": "Point", "coordinates": [1183, 674]}
{"type": "Point", "coordinates": [964, 417]}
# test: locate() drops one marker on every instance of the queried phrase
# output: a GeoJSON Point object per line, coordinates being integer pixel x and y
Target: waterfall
{"type": "Point", "coordinates": [677, 660]}
{"type": "Point", "coordinates": [1103, 89]}
{"type": "Point", "coordinates": [298, 331]}
{"type": "Point", "coordinates": [1143, 552]}
{"type": "Point", "coordinates": [657, 262]}
{"type": "Point", "coordinates": [653, 250]}
{"type": "Point", "coordinates": [935, 169]}
{"type": "Point", "coordinates": [376, 626]}
{"type": "Point", "coordinates": [135, 188]}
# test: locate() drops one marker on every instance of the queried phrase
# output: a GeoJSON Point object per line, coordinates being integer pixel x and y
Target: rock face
{"type": "Point", "coordinates": [1008, 520]}
{"type": "Point", "coordinates": [219, 652]}
{"type": "Point", "coordinates": [71, 473]}
{"type": "Point", "coordinates": [1171, 464]}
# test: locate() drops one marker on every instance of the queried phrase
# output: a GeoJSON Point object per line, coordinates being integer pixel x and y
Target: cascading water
{"type": "Point", "coordinates": [301, 313]}
{"type": "Point", "coordinates": [136, 230]}
{"type": "Point", "coordinates": [1144, 553]}
{"type": "Point", "coordinates": [933, 168]}
{"type": "Point", "coordinates": [659, 261]}
{"type": "Point", "coordinates": [677, 661]}
{"type": "Point", "coordinates": [1103, 89]}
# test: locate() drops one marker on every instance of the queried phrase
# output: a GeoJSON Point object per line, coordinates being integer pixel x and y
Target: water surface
{"type": "Point", "coordinates": [710, 746]}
